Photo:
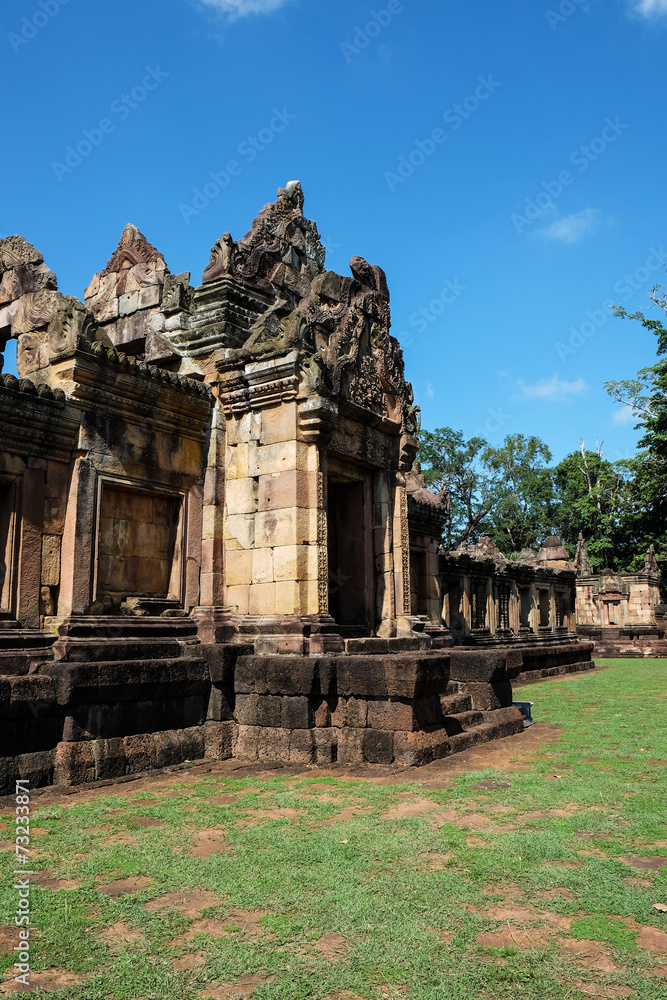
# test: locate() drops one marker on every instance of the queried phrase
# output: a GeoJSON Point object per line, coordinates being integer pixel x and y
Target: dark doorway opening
{"type": "Point", "coordinates": [350, 568]}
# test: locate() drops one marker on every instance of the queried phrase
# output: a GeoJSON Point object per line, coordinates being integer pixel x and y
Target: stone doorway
{"type": "Point", "coordinates": [8, 549]}
{"type": "Point", "coordinates": [350, 554]}
{"type": "Point", "coordinates": [138, 549]}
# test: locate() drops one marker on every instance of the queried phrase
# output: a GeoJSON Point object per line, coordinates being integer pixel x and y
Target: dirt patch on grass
{"type": "Point", "coordinates": [417, 807]}
{"type": "Point", "coordinates": [47, 879]}
{"type": "Point", "coordinates": [117, 935]}
{"type": "Point", "coordinates": [508, 911]}
{"type": "Point", "coordinates": [652, 864]}
{"type": "Point", "coordinates": [236, 922]}
{"type": "Point", "coordinates": [433, 862]}
{"type": "Point", "coordinates": [189, 903]}
{"type": "Point", "coordinates": [125, 886]}
{"type": "Point", "coordinates": [349, 812]}
{"type": "Point", "coordinates": [606, 992]}
{"type": "Point", "coordinates": [189, 961]}
{"type": "Point", "coordinates": [490, 785]}
{"type": "Point", "coordinates": [9, 937]}
{"type": "Point", "coordinates": [649, 938]}
{"type": "Point", "coordinates": [560, 893]}
{"type": "Point", "coordinates": [225, 800]}
{"type": "Point", "coordinates": [208, 842]}
{"type": "Point", "coordinates": [280, 812]}
{"type": "Point", "coordinates": [637, 883]}
{"type": "Point", "coordinates": [508, 890]}
{"type": "Point", "coordinates": [333, 946]}
{"type": "Point", "coordinates": [121, 839]}
{"type": "Point", "coordinates": [514, 938]}
{"type": "Point", "coordinates": [50, 979]}
{"type": "Point", "coordinates": [592, 954]}
{"type": "Point", "coordinates": [477, 842]}
{"type": "Point", "coordinates": [245, 986]}
{"type": "Point", "coordinates": [147, 822]}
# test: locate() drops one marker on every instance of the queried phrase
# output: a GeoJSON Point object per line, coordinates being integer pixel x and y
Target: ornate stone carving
{"type": "Point", "coordinates": [17, 252]}
{"type": "Point", "coordinates": [133, 248]}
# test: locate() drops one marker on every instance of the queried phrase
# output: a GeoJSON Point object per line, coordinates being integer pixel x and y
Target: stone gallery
{"type": "Point", "coordinates": [621, 612]}
{"type": "Point", "coordinates": [214, 537]}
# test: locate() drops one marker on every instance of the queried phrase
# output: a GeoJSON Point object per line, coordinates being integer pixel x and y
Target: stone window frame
{"type": "Point", "coordinates": [141, 486]}
{"type": "Point", "coordinates": [10, 586]}
{"type": "Point", "coordinates": [479, 611]}
{"type": "Point", "coordinates": [503, 605]}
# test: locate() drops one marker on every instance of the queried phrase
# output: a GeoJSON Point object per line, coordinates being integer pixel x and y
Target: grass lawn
{"type": "Point", "coordinates": [418, 885]}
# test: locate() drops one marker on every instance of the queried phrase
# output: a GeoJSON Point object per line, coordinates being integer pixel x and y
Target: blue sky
{"type": "Point", "coordinates": [504, 163]}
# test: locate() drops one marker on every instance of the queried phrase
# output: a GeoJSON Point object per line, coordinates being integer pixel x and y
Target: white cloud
{"type": "Point", "coordinates": [624, 415]}
{"type": "Point", "coordinates": [234, 9]}
{"type": "Point", "coordinates": [553, 390]}
{"type": "Point", "coordinates": [429, 390]}
{"type": "Point", "coordinates": [575, 227]}
{"type": "Point", "coordinates": [651, 8]}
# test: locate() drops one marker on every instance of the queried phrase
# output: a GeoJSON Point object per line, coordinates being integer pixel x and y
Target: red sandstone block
{"type": "Point", "coordinates": [109, 756]}
{"type": "Point", "coordinates": [378, 746]}
{"type": "Point", "coordinates": [219, 740]}
{"type": "Point", "coordinates": [247, 742]}
{"type": "Point", "coordinates": [322, 717]}
{"type": "Point", "coordinates": [413, 749]}
{"type": "Point", "coordinates": [139, 752]}
{"type": "Point", "coordinates": [295, 713]}
{"type": "Point", "coordinates": [351, 746]}
{"type": "Point", "coordinates": [274, 744]}
{"type": "Point", "coordinates": [302, 749]}
{"type": "Point", "coordinates": [326, 745]}
{"type": "Point", "coordinates": [357, 713]}
{"type": "Point", "coordinates": [391, 715]}
{"type": "Point", "coordinates": [339, 713]}
{"type": "Point", "coordinates": [278, 675]}
{"type": "Point", "coordinates": [74, 764]}
{"type": "Point", "coordinates": [288, 489]}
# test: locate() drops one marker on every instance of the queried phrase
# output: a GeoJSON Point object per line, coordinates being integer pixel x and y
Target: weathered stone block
{"type": "Point", "coordinates": [296, 713]}
{"type": "Point", "coordinates": [391, 715]}
{"type": "Point", "coordinates": [238, 567]}
{"type": "Point", "coordinates": [74, 764]}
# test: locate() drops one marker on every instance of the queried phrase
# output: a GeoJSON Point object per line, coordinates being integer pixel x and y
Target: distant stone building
{"type": "Point", "coordinates": [212, 542]}
{"type": "Point", "coordinates": [621, 612]}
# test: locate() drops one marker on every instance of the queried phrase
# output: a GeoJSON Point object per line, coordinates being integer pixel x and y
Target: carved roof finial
{"type": "Point", "coordinates": [133, 248]}
{"type": "Point", "coordinates": [16, 252]}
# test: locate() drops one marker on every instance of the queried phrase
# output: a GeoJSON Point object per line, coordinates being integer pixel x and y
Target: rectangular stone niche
{"type": "Point", "coordinates": [137, 540]}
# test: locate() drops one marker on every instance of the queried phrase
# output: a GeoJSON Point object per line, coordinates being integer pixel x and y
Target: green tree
{"type": "Point", "coordinates": [522, 517]}
{"type": "Point", "coordinates": [646, 394]}
{"type": "Point", "coordinates": [501, 492]}
{"type": "Point", "coordinates": [590, 496]}
{"type": "Point", "coordinates": [453, 464]}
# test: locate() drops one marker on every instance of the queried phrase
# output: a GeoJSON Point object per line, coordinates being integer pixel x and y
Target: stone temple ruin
{"type": "Point", "coordinates": [214, 538]}
{"type": "Point", "coordinates": [621, 612]}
